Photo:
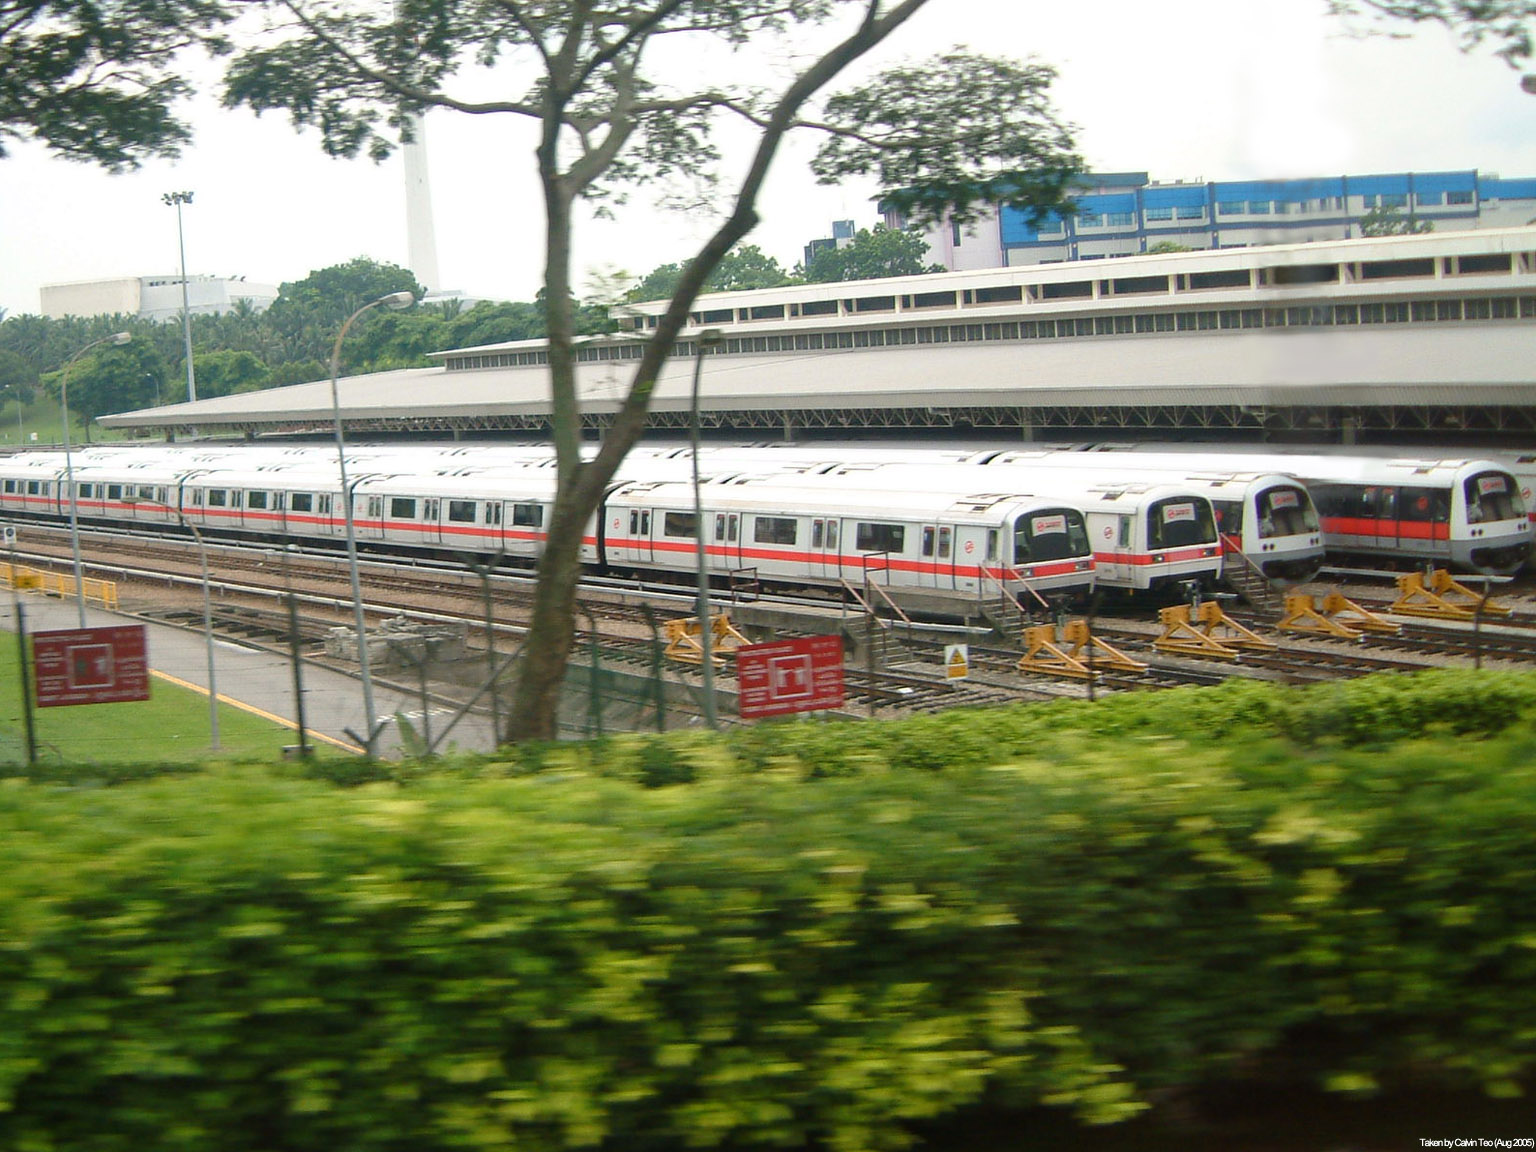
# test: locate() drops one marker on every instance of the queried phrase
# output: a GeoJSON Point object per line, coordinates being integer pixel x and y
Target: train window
{"type": "Point", "coordinates": [1049, 536]}
{"type": "Point", "coordinates": [1229, 516]}
{"type": "Point", "coordinates": [1285, 512]}
{"type": "Point", "coordinates": [217, 498]}
{"type": "Point", "coordinates": [462, 511]}
{"type": "Point", "coordinates": [1426, 505]}
{"type": "Point", "coordinates": [10, 487]}
{"type": "Point", "coordinates": [731, 524]}
{"type": "Point", "coordinates": [195, 496]}
{"type": "Point", "coordinates": [430, 509]}
{"type": "Point", "coordinates": [945, 537]}
{"type": "Point", "coordinates": [991, 545]}
{"type": "Point", "coordinates": [640, 523]}
{"type": "Point", "coordinates": [818, 533]}
{"type": "Point", "coordinates": [1492, 496]}
{"type": "Point", "coordinates": [493, 512]}
{"type": "Point", "coordinates": [927, 541]}
{"type": "Point", "coordinates": [324, 505]}
{"type": "Point", "coordinates": [532, 516]}
{"type": "Point", "coordinates": [1179, 523]}
{"type": "Point", "coordinates": [402, 507]}
{"type": "Point", "coordinates": [34, 487]}
{"type": "Point", "coordinates": [880, 537]}
{"type": "Point", "coordinates": [256, 500]}
{"type": "Point", "coordinates": [831, 533]}
{"type": "Point", "coordinates": [1123, 534]}
{"type": "Point", "coordinates": [684, 524]}
{"type": "Point", "coordinates": [84, 491]}
{"type": "Point", "coordinates": [719, 525]}
{"type": "Point", "coordinates": [114, 491]}
{"type": "Point", "coordinates": [774, 529]}
{"type": "Point", "coordinates": [303, 502]}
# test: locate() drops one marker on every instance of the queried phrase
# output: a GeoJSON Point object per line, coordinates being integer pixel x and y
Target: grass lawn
{"type": "Point", "coordinates": [172, 725]}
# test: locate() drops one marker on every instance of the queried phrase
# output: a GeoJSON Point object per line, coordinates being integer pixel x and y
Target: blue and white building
{"type": "Point", "coordinates": [1126, 214]}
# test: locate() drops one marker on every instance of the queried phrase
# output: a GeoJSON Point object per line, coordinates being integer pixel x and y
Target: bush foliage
{"type": "Point", "coordinates": [1086, 907]}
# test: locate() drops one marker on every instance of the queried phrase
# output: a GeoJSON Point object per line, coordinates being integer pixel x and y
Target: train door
{"type": "Point", "coordinates": [1386, 526]}
{"type": "Point", "coordinates": [495, 518]}
{"type": "Point", "coordinates": [1114, 544]}
{"type": "Point", "coordinates": [725, 544]}
{"type": "Point", "coordinates": [938, 557]}
{"type": "Point", "coordinates": [432, 520]}
{"type": "Point", "coordinates": [824, 548]}
{"type": "Point", "coordinates": [368, 515]}
{"type": "Point", "coordinates": [641, 549]}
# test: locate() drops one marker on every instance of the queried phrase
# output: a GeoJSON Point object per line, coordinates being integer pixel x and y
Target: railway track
{"type": "Point", "coordinates": [250, 583]}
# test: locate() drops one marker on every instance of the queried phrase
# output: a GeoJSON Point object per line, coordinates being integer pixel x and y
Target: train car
{"type": "Point", "coordinates": [791, 529]}
{"type": "Point", "coordinates": [1461, 513]}
{"type": "Point", "coordinates": [1147, 536]}
{"type": "Point", "coordinates": [802, 528]}
{"type": "Point", "coordinates": [1267, 519]}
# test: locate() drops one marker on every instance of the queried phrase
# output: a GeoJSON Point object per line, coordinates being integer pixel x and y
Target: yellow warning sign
{"type": "Point", "coordinates": [956, 661]}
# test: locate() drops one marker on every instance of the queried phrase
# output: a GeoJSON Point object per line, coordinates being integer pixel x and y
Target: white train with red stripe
{"type": "Point", "coordinates": [789, 528]}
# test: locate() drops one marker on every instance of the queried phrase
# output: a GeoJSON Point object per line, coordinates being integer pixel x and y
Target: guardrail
{"type": "Point", "coordinates": [26, 579]}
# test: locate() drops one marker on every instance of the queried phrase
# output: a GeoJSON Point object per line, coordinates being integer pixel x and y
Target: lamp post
{"type": "Point", "coordinates": [394, 300]}
{"type": "Point", "coordinates": [177, 199]}
{"type": "Point", "coordinates": [69, 467]}
{"type": "Point", "coordinates": [708, 338]}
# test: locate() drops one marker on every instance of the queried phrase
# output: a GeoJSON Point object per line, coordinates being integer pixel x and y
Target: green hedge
{"type": "Point", "coordinates": [243, 961]}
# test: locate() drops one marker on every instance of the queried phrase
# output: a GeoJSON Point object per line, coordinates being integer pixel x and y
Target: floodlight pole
{"type": "Point", "coordinates": [177, 199]}
{"type": "Point", "coordinates": [69, 467]}
{"type": "Point", "coordinates": [708, 338]}
{"type": "Point", "coordinates": [371, 726]}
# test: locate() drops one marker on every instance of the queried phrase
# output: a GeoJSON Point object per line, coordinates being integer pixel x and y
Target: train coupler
{"type": "Point", "coordinates": [1441, 598]}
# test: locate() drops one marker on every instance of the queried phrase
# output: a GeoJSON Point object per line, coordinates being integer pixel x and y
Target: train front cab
{"type": "Point", "coordinates": [1284, 537]}
{"type": "Point", "coordinates": [1476, 521]}
{"type": "Point", "coordinates": [1497, 535]}
{"type": "Point", "coordinates": [1051, 551]}
{"type": "Point", "coordinates": [1182, 542]}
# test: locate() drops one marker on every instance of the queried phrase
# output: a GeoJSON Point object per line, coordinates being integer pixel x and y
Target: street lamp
{"type": "Point", "coordinates": [394, 300]}
{"type": "Point", "coordinates": [69, 467]}
{"type": "Point", "coordinates": [178, 199]}
{"type": "Point", "coordinates": [202, 554]}
{"type": "Point", "coordinates": [708, 338]}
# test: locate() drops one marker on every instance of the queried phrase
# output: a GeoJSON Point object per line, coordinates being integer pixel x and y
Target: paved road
{"type": "Point", "coordinates": [262, 682]}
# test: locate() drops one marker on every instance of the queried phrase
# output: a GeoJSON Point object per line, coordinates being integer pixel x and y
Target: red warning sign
{"type": "Point", "coordinates": [90, 666]}
{"type": "Point", "coordinates": [801, 675]}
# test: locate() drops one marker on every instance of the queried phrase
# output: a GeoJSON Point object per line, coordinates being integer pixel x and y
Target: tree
{"type": "Point", "coordinates": [97, 82]}
{"type": "Point", "coordinates": [1387, 221]}
{"type": "Point", "coordinates": [227, 371]}
{"type": "Point", "coordinates": [1504, 23]}
{"type": "Point", "coordinates": [113, 378]}
{"type": "Point", "coordinates": [870, 255]}
{"type": "Point", "coordinates": [581, 72]}
{"type": "Point", "coordinates": [742, 268]}
{"type": "Point", "coordinates": [309, 312]}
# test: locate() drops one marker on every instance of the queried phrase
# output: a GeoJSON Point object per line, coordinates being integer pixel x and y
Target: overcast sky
{"type": "Point", "coordinates": [1181, 89]}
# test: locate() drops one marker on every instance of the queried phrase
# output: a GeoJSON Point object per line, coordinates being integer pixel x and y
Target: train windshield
{"type": "Point", "coordinates": [1492, 496]}
{"type": "Point", "coordinates": [1180, 522]}
{"type": "Point", "coordinates": [1052, 534]}
{"type": "Point", "coordinates": [1286, 511]}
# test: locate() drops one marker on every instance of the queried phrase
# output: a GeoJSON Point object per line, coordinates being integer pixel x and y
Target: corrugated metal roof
{"type": "Point", "coordinates": [1375, 365]}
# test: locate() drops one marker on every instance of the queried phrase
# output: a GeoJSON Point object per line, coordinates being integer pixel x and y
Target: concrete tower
{"type": "Point", "coordinates": [421, 240]}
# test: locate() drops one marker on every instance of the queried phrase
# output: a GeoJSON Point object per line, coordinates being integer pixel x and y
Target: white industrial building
{"type": "Point", "coordinates": [153, 297]}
